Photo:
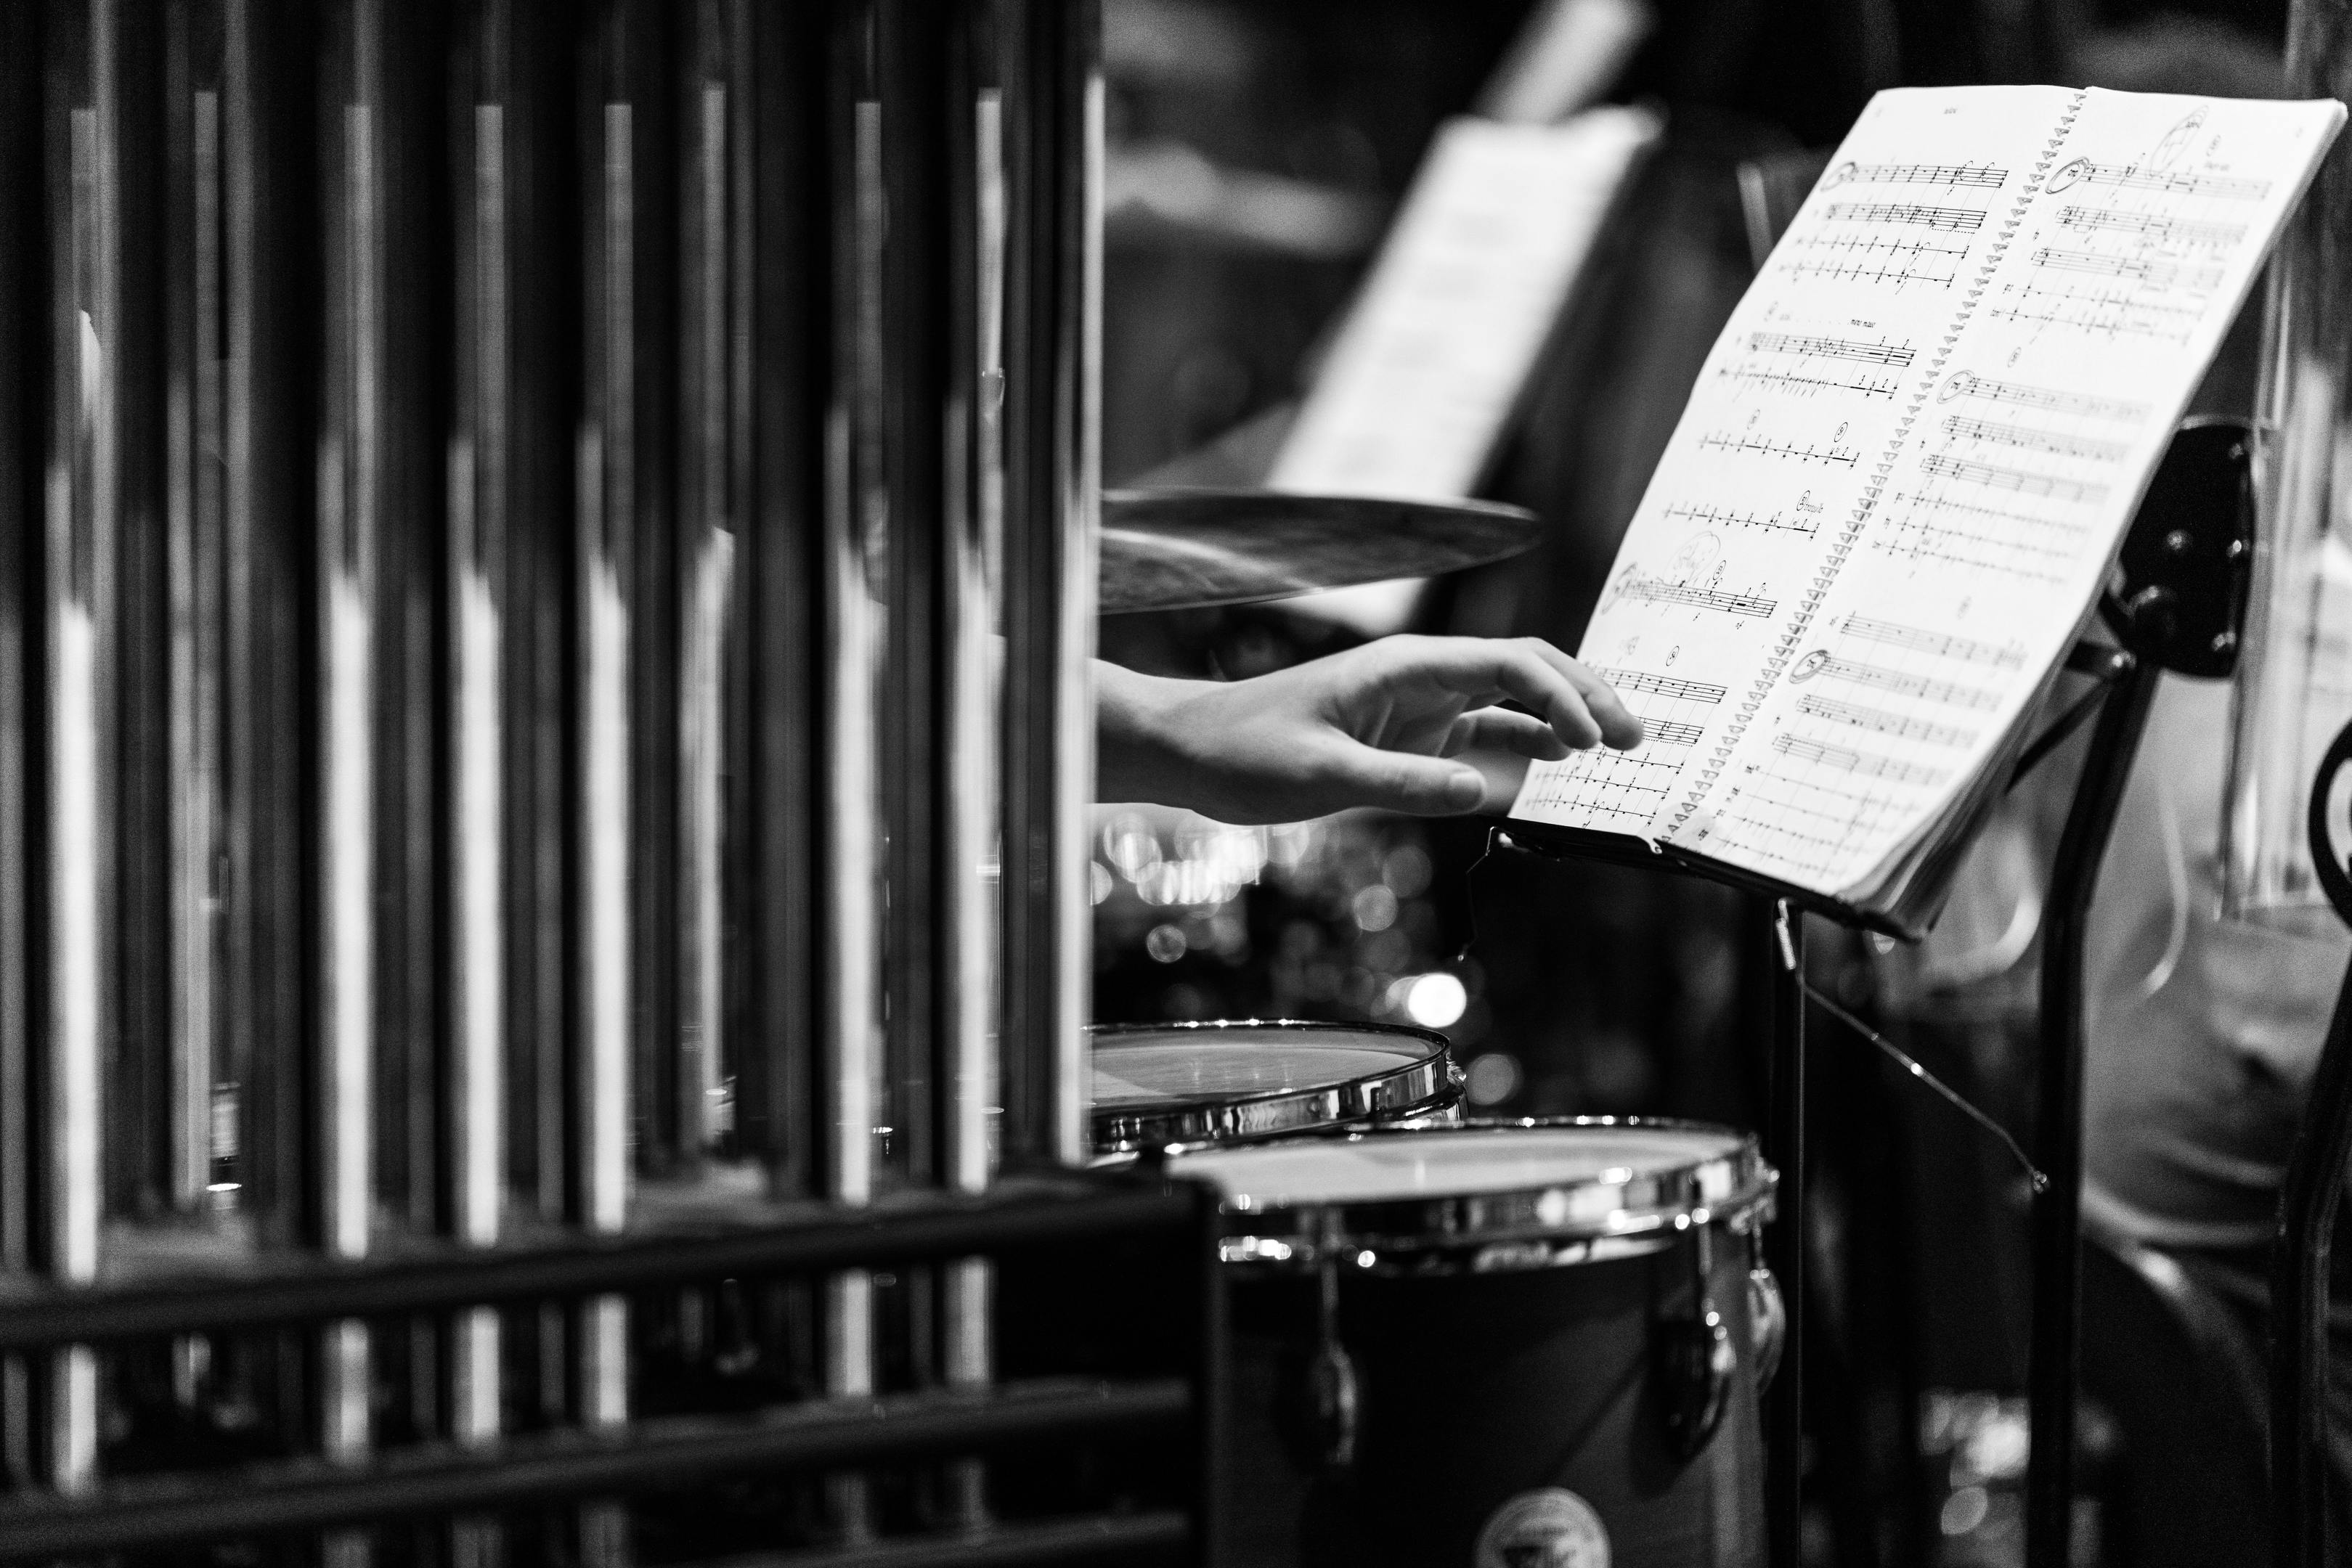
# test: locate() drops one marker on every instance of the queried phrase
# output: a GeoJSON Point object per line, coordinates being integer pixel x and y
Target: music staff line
{"type": "Point", "coordinates": [1672, 687]}
{"type": "Point", "coordinates": [2110, 316]}
{"type": "Point", "coordinates": [1962, 428]}
{"type": "Point", "coordinates": [1726, 517]}
{"type": "Point", "coordinates": [2133, 177]}
{"type": "Point", "coordinates": [1822, 664]}
{"type": "Point", "coordinates": [1878, 721]}
{"type": "Point", "coordinates": [1865, 764]}
{"type": "Point", "coordinates": [1899, 355]}
{"type": "Point", "coordinates": [2005, 518]}
{"type": "Point", "coordinates": [1939, 645]}
{"type": "Point", "coordinates": [1948, 220]}
{"type": "Point", "coordinates": [1967, 384]}
{"type": "Point", "coordinates": [1659, 590]}
{"type": "Point", "coordinates": [2155, 227]}
{"type": "Point", "coordinates": [1976, 176]}
{"type": "Point", "coordinates": [1806, 386]}
{"type": "Point", "coordinates": [2153, 273]}
{"type": "Point", "coordinates": [1888, 272]}
{"type": "Point", "coordinates": [1789, 451]}
{"type": "Point", "coordinates": [2016, 480]}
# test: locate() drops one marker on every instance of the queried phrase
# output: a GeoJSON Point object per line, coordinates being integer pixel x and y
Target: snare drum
{"type": "Point", "coordinates": [1496, 1344]}
{"type": "Point", "coordinates": [1158, 1085]}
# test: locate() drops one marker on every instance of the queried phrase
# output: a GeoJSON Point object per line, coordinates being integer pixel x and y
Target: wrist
{"type": "Point", "coordinates": [1141, 754]}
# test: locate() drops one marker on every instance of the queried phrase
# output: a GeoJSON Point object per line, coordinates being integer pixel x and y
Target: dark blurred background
{"type": "Point", "coordinates": [1257, 151]}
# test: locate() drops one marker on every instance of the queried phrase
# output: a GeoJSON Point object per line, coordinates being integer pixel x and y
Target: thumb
{"type": "Point", "coordinates": [1406, 781]}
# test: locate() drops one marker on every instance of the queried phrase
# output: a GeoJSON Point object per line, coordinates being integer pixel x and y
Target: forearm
{"type": "Point", "coordinates": [1138, 752]}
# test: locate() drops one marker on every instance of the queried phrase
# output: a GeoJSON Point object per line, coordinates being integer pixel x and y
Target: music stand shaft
{"type": "Point", "coordinates": [2056, 1355]}
{"type": "Point", "coordinates": [1784, 1147]}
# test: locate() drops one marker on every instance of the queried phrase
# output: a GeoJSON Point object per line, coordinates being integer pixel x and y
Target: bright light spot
{"type": "Point", "coordinates": [1491, 1078]}
{"type": "Point", "coordinates": [1964, 1509]}
{"type": "Point", "coordinates": [1406, 870]}
{"type": "Point", "coordinates": [1376, 910]}
{"type": "Point", "coordinates": [1435, 1000]}
{"type": "Point", "coordinates": [1130, 842]}
{"type": "Point", "coordinates": [1099, 881]}
{"type": "Point", "coordinates": [1166, 943]}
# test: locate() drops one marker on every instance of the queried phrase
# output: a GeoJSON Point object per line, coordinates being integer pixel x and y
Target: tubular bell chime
{"type": "Point", "coordinates": [546, 585]}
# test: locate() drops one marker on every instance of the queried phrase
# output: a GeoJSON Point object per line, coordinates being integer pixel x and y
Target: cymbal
{"type": "Point", "coordinates": [1184, 548]}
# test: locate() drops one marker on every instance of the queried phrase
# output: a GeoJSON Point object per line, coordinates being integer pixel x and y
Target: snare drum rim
{"type": "Point", "coordinates": [1431, 1084]}
{"type": "Point", "coordinates": [1512, 1229]}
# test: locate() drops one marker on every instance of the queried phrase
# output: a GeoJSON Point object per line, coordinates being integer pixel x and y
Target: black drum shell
{"type": "Point", "coordinates": [1476, 1388]}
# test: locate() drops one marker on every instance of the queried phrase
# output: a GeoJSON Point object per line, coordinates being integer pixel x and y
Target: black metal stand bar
{"type": "Point", "coordinates": [2300, 1253]}
{"type": "Point", "coordinates": [1161, 1536]}
{"type": "Point", "coordinates": [2058, 1130]}
{"type": "Point", "coordinates": [2299, 1280]}
{"type": "Point", "coordinates": [796, 1238]}
{"type": "Point", "coordinates": [315, 1495]}
{"type": "Point", "coordinates": [1784, 1147]}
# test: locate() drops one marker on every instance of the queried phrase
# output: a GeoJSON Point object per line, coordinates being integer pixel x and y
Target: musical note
{"type": "Point", "coordinates": [1670, 732]}
{"type": "Point", "coordinates": [1963, 383]}
{"type": "Point", "coordinates": [1942, 645]}
{"type": "Point", "coordinates": [1878, 721]}
{"type": "Point", "coordinates": [1999, 478]}
{"type": "Point", "coordinates": [1957, 220]}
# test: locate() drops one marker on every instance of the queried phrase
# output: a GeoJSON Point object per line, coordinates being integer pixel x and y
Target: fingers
{"type": "Point", "coordinates": [1618, 726]}
{"type": "Point", "coordinates": [1360, 775]}
{"type": "Point", "coordinates": [1579, 706]}
{"type": "Point", "coordinates": [1500, 730]}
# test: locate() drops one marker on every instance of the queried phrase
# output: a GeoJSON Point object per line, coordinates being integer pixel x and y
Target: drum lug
{"type": "Point", "coordinates": [1695, 1365]}
{"type": "Point", "coordinates": [1695, 1361]}
{"type": "Point", "coordinates": [1335, 1391]}
{"type": "Point", "coordinates": [1767, 1320]}
{"type": "Point", "coordinates": [1337, 1394]}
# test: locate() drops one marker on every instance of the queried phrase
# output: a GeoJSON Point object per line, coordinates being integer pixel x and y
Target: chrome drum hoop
{"type": "Point", "coordinates": [1515, 1230]}
{"type": "Point", "coordinates": [1428, 1086]}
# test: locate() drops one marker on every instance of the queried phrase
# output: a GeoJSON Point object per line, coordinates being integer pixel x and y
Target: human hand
{"type": "Point", "coordinates": [1401, 723]}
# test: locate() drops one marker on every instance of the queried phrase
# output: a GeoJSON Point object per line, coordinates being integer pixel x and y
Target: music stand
{"type": "Point", "coordinates": [2186, 570]}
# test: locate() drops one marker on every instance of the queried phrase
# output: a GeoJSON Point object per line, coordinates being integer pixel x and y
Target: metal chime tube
{"type": "Point", "coordinates": [481, 455]}
{"type": "Point", "coordinates": [606, 498]}
{"type": "Point", "coordinates": [1052, 157]}
{"type": "Point", "coordinates": [21, 443]}
{"type": "Point", "coordinates": [353, 487]}
{"type": "Point", "coordinates": [972, 569]}
{"type": "Point", "coordinates": [856, 624]}
{"type": "Point", "coordinates": [84, 494]}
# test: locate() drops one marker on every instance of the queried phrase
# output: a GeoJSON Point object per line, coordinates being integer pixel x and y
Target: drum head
{"type": "Point", "coordinates": [1386, 1197]}
{"type": "Point", "coordinates": [1162, 1085]}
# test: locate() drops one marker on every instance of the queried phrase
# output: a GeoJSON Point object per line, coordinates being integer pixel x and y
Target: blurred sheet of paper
{"type": "Point", "coordinates": [1416, 391]}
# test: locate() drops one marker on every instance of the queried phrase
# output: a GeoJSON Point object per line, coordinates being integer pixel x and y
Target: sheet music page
{"type": "Point", "coordinates": [1784, 440]}
{"type": "Point", "coordinates": [2024, 450]}
{"type": "Point", "coordinates": [1432, 359]}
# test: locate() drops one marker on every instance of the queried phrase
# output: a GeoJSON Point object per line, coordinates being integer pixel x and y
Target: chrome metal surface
{"type": "Point", "coordinates": [1182, 548]}
{"type": "Point", "coordinates": [1423, 1228]}
{"type": "Point", "coordinates": [1424, 1081]}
